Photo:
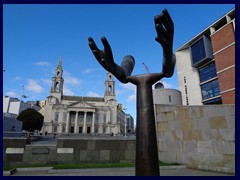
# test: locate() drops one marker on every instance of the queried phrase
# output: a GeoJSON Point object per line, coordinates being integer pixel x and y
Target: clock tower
{"type": "Point", "coordinates": [57, 82]}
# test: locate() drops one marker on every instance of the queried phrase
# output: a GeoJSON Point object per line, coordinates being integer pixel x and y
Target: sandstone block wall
{"type": "Point", "coordinates": [201, 137]}
{"type": "Point", "coordinates": [94, 150]}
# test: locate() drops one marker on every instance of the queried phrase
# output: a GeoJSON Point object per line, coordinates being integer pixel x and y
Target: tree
{"type": "Point", "coordinates": [32, 119]}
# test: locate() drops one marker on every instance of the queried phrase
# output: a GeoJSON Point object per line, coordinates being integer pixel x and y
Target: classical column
{"type": "Point", "coordinates": [67, 123]}
{"type": "Point", "coordinates": [93, 123]}
{"type": "Point", "coordinates": [84, 122]}
{"type": "Point", "coordinates": [60, 120]}
{"type": "Point", "coordinates": [76, 123]}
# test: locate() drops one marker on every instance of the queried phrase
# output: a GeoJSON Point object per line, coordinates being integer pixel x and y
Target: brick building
{"type": "Point", "coordinates": [206, 64]}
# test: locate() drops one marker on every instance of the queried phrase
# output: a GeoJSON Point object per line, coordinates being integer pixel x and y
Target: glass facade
{"type": "Point", "coordinates": [207, 72]}
{"type": "Point", "coordinates": [198, 51]}
{"type": "Point", "coordinates": [210, 89]}
{"type": "Point", "coordinates": [213, 101]}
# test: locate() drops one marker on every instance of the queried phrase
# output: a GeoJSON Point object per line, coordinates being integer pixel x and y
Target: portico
{"type": "Point", "coordinates": [80, 121]}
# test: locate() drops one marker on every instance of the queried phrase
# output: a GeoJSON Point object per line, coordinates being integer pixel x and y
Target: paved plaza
{"type": "Point", "coordinates": [129, 171]}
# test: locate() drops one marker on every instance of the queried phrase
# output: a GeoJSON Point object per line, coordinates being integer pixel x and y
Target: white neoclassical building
{"type": "Point", "coordinates": [77, 114]}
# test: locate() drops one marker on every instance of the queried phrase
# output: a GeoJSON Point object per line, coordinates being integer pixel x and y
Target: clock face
{"type": "Point", "coordinates": [112, 103]}
{"type": "Point", "coordinates": [51, 100]}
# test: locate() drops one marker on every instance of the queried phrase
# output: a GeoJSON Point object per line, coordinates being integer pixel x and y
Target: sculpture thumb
{"type": "Point", "coordinates": [128, 65]}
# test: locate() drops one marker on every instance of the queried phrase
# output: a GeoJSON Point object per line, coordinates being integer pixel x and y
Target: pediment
{"type": "Point", "coordinates": [80, 104]}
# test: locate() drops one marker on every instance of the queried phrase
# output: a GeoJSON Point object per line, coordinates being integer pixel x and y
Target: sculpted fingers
{"type": "Point", "coordinates": [161, 34]}
{"type": "Point", "coordinates": [169, 20]}
{"type": "Point", "coordinates": [92, 44]}
{"type": "Point", "coordinates": [107, 49]}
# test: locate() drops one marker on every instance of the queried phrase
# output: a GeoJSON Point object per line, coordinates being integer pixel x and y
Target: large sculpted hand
{"type": "Point", "coordinates": [105, 58]}
{"type": "Point", "coordinates": [165, 31]}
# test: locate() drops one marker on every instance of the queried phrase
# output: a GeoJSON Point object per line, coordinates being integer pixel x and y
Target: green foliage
{"type": "Point", "coordinates": [32, 120]}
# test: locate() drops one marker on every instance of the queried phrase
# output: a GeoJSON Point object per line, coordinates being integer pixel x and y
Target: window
{"type": "Point", "coordinates": [210, 89]}
{"type": "Point", "coordinates": [55, 128]}
{"type": "Point", "coordinates": [169, 99]}
{"type": "Point", "coordinates": [207, 72]}
{"type": "Point", "coordinates": [198, 51]}
{"type": "Point", "coordinates": [104, 129]}
{"type": "Point", "coordinates": [80, 129]}
{"type": "Point", "coordinates": [81, 116]}
{"type": "Point", "coordinates": [89, 116]}
{"type": "Point", "coordinates": [201, 51]}
{"type": "Point", "coordinates": [109, 88]}
{"type": "Point", "coordinates": [56, 116]}
{"type": "Point", "coordinates": [56, 86]}
{"type": "Point", "coordinates": [104, 118]}
{"type": "Point", "coordinates": [63, 128]}
{"type": "Point", "coordinates": [213, 101]}
{"type": "Point", "coordinates": [216, 88]}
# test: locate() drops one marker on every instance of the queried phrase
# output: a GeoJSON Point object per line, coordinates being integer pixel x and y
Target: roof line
{"type": "Point", "coordinates": [182, 47]}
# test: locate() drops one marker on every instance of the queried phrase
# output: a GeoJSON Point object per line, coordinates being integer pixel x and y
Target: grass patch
{"type": "Point", "coordinates": [167, 164]}
{"type": "Point", "coordinates": [82, 166]}
{"type": "Point", "coordinates": [71, 166]}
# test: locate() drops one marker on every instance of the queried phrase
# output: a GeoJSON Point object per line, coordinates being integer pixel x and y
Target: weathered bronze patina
{"type": "Point", "coordinates": [146, 141]}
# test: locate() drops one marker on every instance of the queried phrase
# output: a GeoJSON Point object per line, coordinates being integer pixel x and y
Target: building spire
{"type": "Point", "coordinates": [60, 63]}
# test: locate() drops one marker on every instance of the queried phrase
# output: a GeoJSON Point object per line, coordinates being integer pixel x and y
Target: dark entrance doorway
{"type": "Point", "coordinates": [88, 129]}
{"type": "Point", "coordinates": [72, 129]}
{"type": "Point", "coordinates": [80, 129]}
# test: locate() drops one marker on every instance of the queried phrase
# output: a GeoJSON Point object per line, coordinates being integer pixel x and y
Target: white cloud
{"type": "Point", "coordinates": [34, 86]}
{"type": "Point", "coordinates": [131, 98]}
{"type": "Point", "coordinates": [17, 78]}
{"type": "Point", "coordinates": [11, 94]}
{"type": "Point", "coordinates": [66, 73]}
{"type": "Point", "coordinates": [93, 94]}
{"type": "Point", "coordinates": [42, 63]}
{"type": "Point", "coordinates": [47, 81]}
{"type": "Point", "coordinates": [67, 91]}
{"type": "Point", "coordinates": [72, 81]}
{"type": "Point", "coordinates": [68, 79]}
{"type": "Point", "coordinates": [119, 92]}
{"type": "Point", "coordinates": [89, 70]}
{"type": "Point", "coordinates": [168, 85]}
{"type": "Point", "coordinates": [128, 86]}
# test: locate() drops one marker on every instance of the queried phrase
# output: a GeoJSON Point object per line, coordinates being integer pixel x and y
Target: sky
{"type": "Point", "coordinates": [35, 37]}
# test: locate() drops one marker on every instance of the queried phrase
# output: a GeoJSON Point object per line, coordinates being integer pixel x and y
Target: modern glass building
{"type": "Point", "coordinates": [206, 64]}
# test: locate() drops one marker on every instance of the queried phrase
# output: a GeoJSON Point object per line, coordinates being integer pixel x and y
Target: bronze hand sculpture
{"type": "Point", "coordinates": [146, 141]}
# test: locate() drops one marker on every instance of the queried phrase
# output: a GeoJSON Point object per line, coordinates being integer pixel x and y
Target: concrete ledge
{"type": "Point", "coordinates": [8, 173]}
{"type": "Point", "coordinates": [65, 150]}
{"type": "Point", "coordinates": [173, 167]}
{"type": "Point", "coordinates": [35, 169]}
{"type": "Point", "coordinates": [14, 150]}
{"type": "Point", "coordinates": [54, 171]}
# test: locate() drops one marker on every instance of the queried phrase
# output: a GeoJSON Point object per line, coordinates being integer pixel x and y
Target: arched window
{"type": "Point", "coordinates": [109, 88]}
{"type": "Point", "coordinates": [57, 86]}
{"type": "Point", "coordinates": [58, 73]}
